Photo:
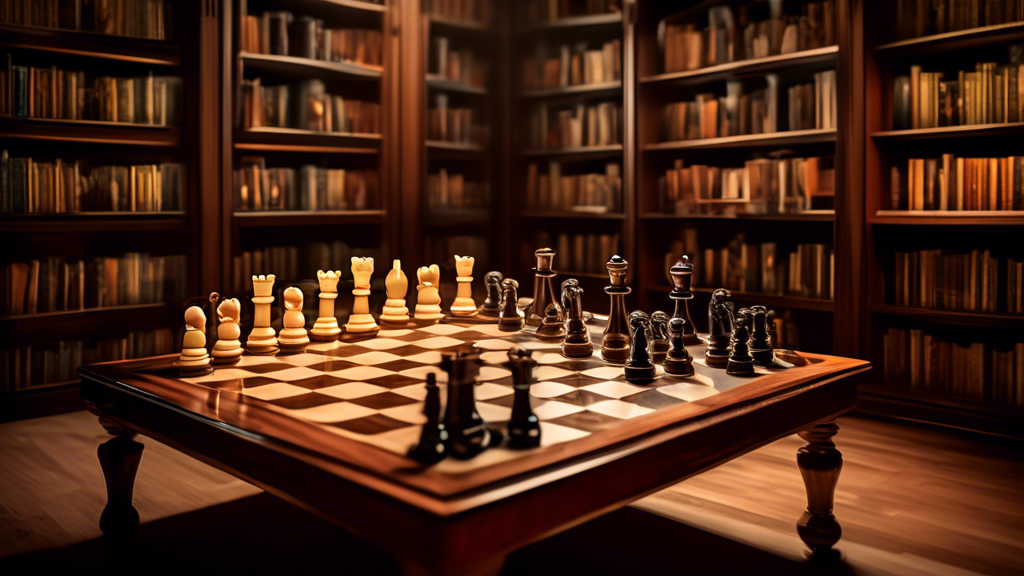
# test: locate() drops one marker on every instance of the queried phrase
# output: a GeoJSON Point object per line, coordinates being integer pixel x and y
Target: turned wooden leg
{"type": "Point", "coordinates": [119, 459]}
{"type": "Point", "coordinates": [820, 464]}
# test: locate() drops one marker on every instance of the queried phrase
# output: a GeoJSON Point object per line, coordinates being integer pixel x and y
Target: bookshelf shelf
{"type": "Point", "coordinates": [89, 131]}
{"type": "Point", "coordinates": [358, 9]}
{"type": "Point", "coordinates": [445, 25]}
{"type": "Point", "coordinates": [952, 317]}
{"type": "Point", "coordinates": [968, 131]}
{"type": "Point", "coordinates": [785, 138]}
{"type": "Point", "coordinates": [592, 151]}
{"type": "Point", "coordinates": [947, 218]}
{"type": "Point", "coordinates": [92, 222]}
{"type": "Point", "coordinates": [440, 145]}
{"type": "Point", "coordinates": [74, 324]}
{"type": "Point", "coordinates": [574, 214]}
{"type": "Point", "coordinates": [293, 66]}
{"type": "Point", "coordinates": [270, 218]}
{"type": "Point", "coordinates": [595, 20]}
{"type": "Point", "coordinates": [941, 409]}
{"type": "Point", "coordinates": [959, 39]}
{"type": "Point", "coordinates": [298, 137]}
{"type": "Point", "coordinates": [770, 63]}
{"type": "Point", "coordinates": [438, 82]}
{"type": "Point", "coordinates": [823, 216]}
{"type": "Point", "coordinates": [781, 300]}
{"type": "Point", "coordinates": [435, 217]}
{"type": "Point", "coordinates": [90, 44]}
{"type": "Point", "coordinates": [595, 89]}
{"type": "Point", "coordinates": [301, 148]}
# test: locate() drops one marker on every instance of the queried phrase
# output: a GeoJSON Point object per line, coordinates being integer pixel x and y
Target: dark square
{"type": "Point", "coordinates": [317, 382]}
{"type": "Point", "coordinates": [652, 399]}
{"type": "Point", "coordinates": [302, 401]}
{"type": "Point", "coordinates": [267, 368]}
{"type": "Point", "coordinates": [374, 424]}
{"type": "Point", "coordinates": [582, 398]}
{"type": "Point", "coordinates": [383, 400]}
{"type": "Point", "coordinates": [393, 381]}
{"type": "Point", "coordinates": [233, 384]}
{"type": "Point", "coordinates": [333, 366]}
{"type": "Point", "coordinates": [508, 399]}
{"type": "Point", "coordinates": [346, 352]}
{"type": "Point", "coordinates": [401, 365]}
{"type": "Point", "coordinates": [257, 381]}
{"type": "Point", "coordinates": [587, 421]}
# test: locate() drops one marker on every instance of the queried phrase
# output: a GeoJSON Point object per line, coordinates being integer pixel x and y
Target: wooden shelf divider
{"type": "Point", "coordinates": [783, 138]}
{"type": "Point", "coordinates": [766, 64]}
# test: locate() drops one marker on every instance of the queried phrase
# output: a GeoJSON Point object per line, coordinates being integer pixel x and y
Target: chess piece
{"type": "Point", "coordinates": [615, 344]}
{"type": "Point", "coordinates": [553, 328]}
{"type": "Point", "coordinates": [464, 304]}
{"type": "Point", "coordinates": [639, 368]}
{"type": "Point", "coordinates": [360, 321]}
{"type": "Point", "coordinates": [659, 330]}
{"type": "Point", "coordinates": [773, 338]}
{"type": "Point", "coordinates": [326, 328]}
{"type": "Point", "coordinates": [194, 360]}
{"type": "Point", "coordinates": [720, 322]}
{"type": "Point", "coordinates": [740, 361]}
{"type": "Point", "coordinates": [395, 312]}
{"type": "Point", "coordinates": [678, 361]}
{"type": "Point", "coordinates": [262, 340]}
{"type": "Point", "coordinates": [682, 275]}
{"type": "Point", "coordinates": [431, 447]}
{"type": "Point", "coordinates": [293, 338]}
{"type": "Point", "coordinates": [228, 349]}
{"type": "Point", "coordinates": [511, 318]}
{"type": "Point", "coordinates": [543, 289]}
{"type": "Point", "coordinates": [467, 433]}
{"type": "Point", "coordinates": [524, 427]}
{"type": "Point", "coordinates": [760, 348]}
{"type": "Point", "coordinates": [491, 308]}
{"type": "Point", "coordinates": [428, 301]}
{"type": "Point", "coordinates": [577, 342]}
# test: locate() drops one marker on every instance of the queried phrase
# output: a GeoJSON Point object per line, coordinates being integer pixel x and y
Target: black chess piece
{"type": "Point", "coordinates": [720, 321]}
{"type": "Point", "coordinates": [553, 328]}
{"type": "Point", "coordinates": [491, 308]}
{"type": "Point", "coordinates": [740, 361]}
{"type": "Point", "coordinates": [524, 428]}
{"type": "Point", "coordinates": [678, 361]}
{"type": "Point", "coordinates": [760, 347]}
{"type": "Point", "coordinates": [682, 275]}
{"type": "Point", "coordinates": [510, 319]}
{"type": "Point", "coordinates": [543, 289]}
{"type": "Point", "coordinates": [769, 321]}
{"type": "Point", "coordinates": [577, 342]}
{"type": "Point", "coordinates": [431, 447]}
{"type": "Point", "coordinates": [467, 433]}
{"type": "Point", "coordinates": [659, 332]}
{"type": "Point", "coordinates": [639, 368]}
{"type": "Point", "coordinates": [615, 343]}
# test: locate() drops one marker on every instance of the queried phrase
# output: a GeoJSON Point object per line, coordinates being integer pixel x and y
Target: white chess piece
{"type": "Point", "coordinates": [194, 359]}
{"type": "Point", "coordinates": [464, 304]}
{"type": "Point", "coordinates": [395, 312]}
{"type": "Point", "coordinates": [428, 300]}
{"type": "Point", "coordinates": [228, 349]}
{"type": "Point", "coordinates": [262, 340]}
{"type": "Point", "coordinates": [326, 328]}
{"type": "Point", "coordinates": [293, 338]}
{"type": "Point", "coordinates": [360, 321]}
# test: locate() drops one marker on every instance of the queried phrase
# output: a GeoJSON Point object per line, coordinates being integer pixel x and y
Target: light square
{"type": "Point", "coordinates": [373, 358]}
{"type": "Point", "coordinates": [687, 391]}
{"type": "Point", "coordinates": [361, 373]}
{"type": "Point", "coordinates": [613, 389]}
{"type": "Point", "coordinates": [604, 372]}
{"type": "Point", "coordinates": [488, 391]}
{"type": "Point", "coordinates": [549, 389]}
{"type": "Point", "coordinates": [443, 329]}
{"type": "Point", "coordinates": [619, 409]}
{"type": "Point", "coordinates": [552, 409]}
{"type": "Point", "coordinates": [379, 343]}
{"type": "Point", "coordinates": [275, 391]}
{"type": "Point", "coordinates": [437, 343]}
{"type": "Point", "coordinates": [352, 390]}
{"type": "Point", "coordinates": [336, 412]}
{"type": "Point", "coordinates": [551, 372]}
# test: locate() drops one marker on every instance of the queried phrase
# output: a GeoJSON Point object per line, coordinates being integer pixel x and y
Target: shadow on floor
{"type": "Point", "coordinates": [266, 534]}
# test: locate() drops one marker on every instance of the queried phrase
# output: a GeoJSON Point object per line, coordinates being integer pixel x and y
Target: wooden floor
{"type": "Point", "coordinates": [910, 500]}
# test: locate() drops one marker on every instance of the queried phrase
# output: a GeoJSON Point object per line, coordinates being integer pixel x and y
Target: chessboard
{"type": "Point", "coordinates": [372, 391]}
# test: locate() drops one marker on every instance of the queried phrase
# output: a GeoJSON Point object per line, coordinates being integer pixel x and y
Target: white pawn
{"type": "Point", "coordinates": [228, 349]}
{"type": "Point", "coordinates": [395, 312]}
{"type": "Point", "coordinates": [293, 338]}
{"type": "Point", "coordinates": [194, 360]}
{"type": "Point", "coordinates": [326, 328]}
{"type": "Point", "coordinates": [464, 304]}
{"type": "Point", "coordinates": [360, 321]}
{"type": "Point", "coordinates": [428, 300]}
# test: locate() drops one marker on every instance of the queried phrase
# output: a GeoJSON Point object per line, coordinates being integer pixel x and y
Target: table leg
{"type": "Point", "coordinates": [119, 459]}
{"type": "Point", "coordinates": [820, 464]}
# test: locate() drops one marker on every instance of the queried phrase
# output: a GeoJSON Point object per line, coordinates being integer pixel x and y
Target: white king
{"type": "Point", "coordinates": [326, 328]}
{"type": "Point", "coordinates": [464, 304]}
{"type": "Point", "coordinates": [361, 322]}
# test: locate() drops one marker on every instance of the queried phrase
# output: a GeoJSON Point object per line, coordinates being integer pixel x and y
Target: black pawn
{"type": "Point", "coordinates": [659, 331]}
{"type": "Point", "coordinates": [467, 433]}
{"type": "Point", "coordinates": [740, 362]}
{"type": "Point", "coordinates": [524, 428]}
{"type": "Point", "coordinates": [552, 329]}
{"type": "Point", "coordinates": [678, 361]}
{"type": "Point", "coordinates": [760, 346]}
{"type": "Point", "coordinates": [510, 319]}
{"type": "Point", "coordinates": [639, 368]}
{"type": "Point", "coordinates": [491, 307]}
{"type": "Point", "coordinates": [431, 447]}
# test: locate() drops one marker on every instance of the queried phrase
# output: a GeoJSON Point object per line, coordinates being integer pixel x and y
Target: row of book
{"type": "Point", "coordinates": [28, 366]}
{"type": "Point", "coordinates": [975, 370]}
{"type": "Point", "coordinates": [951, 184]}
{"type": "Point", "coordinates": [294, 263]}
{"type": "Point", "coordinates": [308, 187]}
{"type": "Point", "coordinates": [808, 271]}
{"type": "Point", "coordinates": [576, 253]}
{"type": "Point", "coordinates": [306, 106]}
{"type": "Point", "coordinates": [135, 18]}
{"type": "Point", "coordinates": [461, 125]}
{"type": "Point", "coordinates": [56, 284]}
{"type": "Point", "coordinates": [536, 11]}
{"type": "Point", "coordinates": [577, 127]}
{"type": "Point", "coordinates": [762, 186]}
{"type": "Point", "coordinates": [711, 116]}
{"type": "Point", "coordinates": [915, 18]}
{"type": "Point", "coordinates": [974, 282]}
{"type": "Point", "coordinates": [469, 10]}
{"type": "Point", "coordinates": [30, 186]}
{"type": "Point", "coordinates": [814, 106]}
{"type": "Point", "coordinates": [593, 192]}
{"type": "Point", "coordinates": [992, 94]}
{"type": "Point", "coordinates": [75, 95]}
{"type": "Point", "coordinates": [749, 32]}
{"type": "Point", "coordinates": [282, 34]}
{"type": "Point", "coordinates": [464, 66]}
{"type": "Point", "coordinates": [448, 190]}
{"type": "Point", "coordinates": [573, 65]}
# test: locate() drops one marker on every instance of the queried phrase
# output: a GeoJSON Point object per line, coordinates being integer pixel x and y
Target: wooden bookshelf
{"type": "Point", "coordinates": [87, 323]}
{"type": "Point", "coordinates": [749, 66]}
{"type": "Point", "coordinates": [948, 218]}
{"type": "Point", "coordinates": [437, 82]}
{"type": "Point", "coordinates": [91, 45]}
{"type": "Point", "coordinates": [970, 131]}
{"type": "Point", "coordinates": [580, 152]}
{"type": "Point", "coordinates": [92, 221]}
{"type": "Point", "coordinates": [956, 40]}
{"type": "Point", "coordinates": [593, 89]}
{"type": "Point", "coordinates": [89, 131]}
{"type": "Point", "coordinates": [295, 67]}
{"type": "Point", "coordinates": [575, 215]}
{"type": "Point", "coordinates": [955, 317]}
{"type": "Point", "coordinates": [775, 139]}
{"type": "Point", "coordinates": [609, 20]}
{"type": "Point", "coordinates": [270, 218]}
{"type": "Point", "coordinates": [817, 216]}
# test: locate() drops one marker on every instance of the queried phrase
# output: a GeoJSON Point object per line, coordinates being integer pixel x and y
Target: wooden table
{"type": "Point", "coordinates": [464, 518]}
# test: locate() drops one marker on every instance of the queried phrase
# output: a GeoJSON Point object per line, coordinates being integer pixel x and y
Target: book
{"type": "Point", "coordinates": [953, 183]}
